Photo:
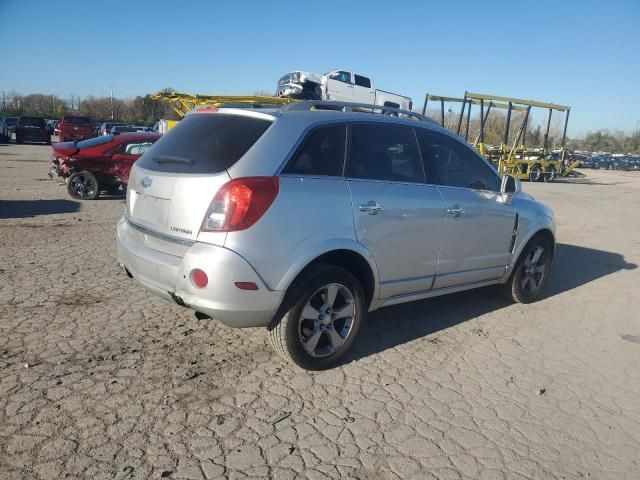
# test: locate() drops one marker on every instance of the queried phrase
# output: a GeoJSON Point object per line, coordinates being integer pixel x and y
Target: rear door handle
{"type": "Point", "coordinates": [371, 207]}
{"type": "Point", "coordinates": [456, 211]}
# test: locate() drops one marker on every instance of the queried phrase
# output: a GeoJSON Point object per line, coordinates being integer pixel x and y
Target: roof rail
{"type": "Point", "coordinates": [306, 105]}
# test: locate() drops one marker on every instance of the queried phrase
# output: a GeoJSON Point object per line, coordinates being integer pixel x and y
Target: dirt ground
{"type": "Point", "coordinates": [99, 379]}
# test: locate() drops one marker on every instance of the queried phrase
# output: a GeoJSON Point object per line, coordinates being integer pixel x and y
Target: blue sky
{"type": "Point", "coordinates": [579, 53]}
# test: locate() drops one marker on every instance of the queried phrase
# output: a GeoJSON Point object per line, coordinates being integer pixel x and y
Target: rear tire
{"type": "Point", "coordinates": [550, 174]}
{"type": "Point", "coordinates": [83, 186]}
{"type": "Point", "coordinates": [320, 318]}
{"type": "Point", "coordinates": [530, 275]}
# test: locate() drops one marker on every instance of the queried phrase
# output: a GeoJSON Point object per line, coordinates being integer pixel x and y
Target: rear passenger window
{"type": "Point", "coordinates": [450, 163]}
{"type": "Point", "coordinates": [322, 153]}
{"type": "Point", "coordinates": [385, 152]}
{"type": "Point", "coordinates": [362, 81]}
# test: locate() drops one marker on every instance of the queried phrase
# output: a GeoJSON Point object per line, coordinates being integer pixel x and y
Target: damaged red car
{"type": "Point", "coordinates": [100, 164]}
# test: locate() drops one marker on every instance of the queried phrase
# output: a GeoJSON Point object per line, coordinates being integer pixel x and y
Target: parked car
{"type": "Point", "coordinates": [118, 129]}
{"type": "Point", "coordinates": [75, 127]}
{"type": "Point", "coordinates": [302, 221]}
{"type": "Point", "coordinates": [11, 123]}
{"type": "Point", "coordinates": [105, 128]}
{"type": "Point", "coordinates": [52, 125]}
{"type": "Point", "coordinates": [32, 129]}
{"type": "Point", "coordinates": [5, 135]}
{"type": "Point", "coordinates": [339, 85]}
{"type": "Point", "coordinates": [99, 163]}
{"type": "Point", "coordinates": [163, 126]}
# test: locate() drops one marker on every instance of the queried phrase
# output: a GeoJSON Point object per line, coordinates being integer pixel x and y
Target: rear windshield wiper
{"type": "Point", "coordinates": [172, 159]}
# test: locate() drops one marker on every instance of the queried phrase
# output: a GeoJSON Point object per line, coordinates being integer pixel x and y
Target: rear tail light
{"type": "Point", "coordinates": [240, 203]}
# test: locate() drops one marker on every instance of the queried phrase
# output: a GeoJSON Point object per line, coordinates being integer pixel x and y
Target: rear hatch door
{"type": "Point", "coordinates": [172, 185]}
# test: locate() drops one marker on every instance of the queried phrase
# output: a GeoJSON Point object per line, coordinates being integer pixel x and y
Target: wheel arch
{"type": "Point", "coordinates": [544, 231]}
{"type": "Point", "coordinates": [355, 259]}
{"type": "Point", "coordinates": [548, 235]}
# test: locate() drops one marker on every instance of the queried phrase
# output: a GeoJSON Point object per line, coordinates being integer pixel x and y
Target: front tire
{"type": "Point", "coordinates": [83, 186]}
{"type": "Point", "coordinates": [323, 313]}
{"type": "Point", "coordinates": [535, 174]}
{"type": "Point", "coordinates": [531, 272]}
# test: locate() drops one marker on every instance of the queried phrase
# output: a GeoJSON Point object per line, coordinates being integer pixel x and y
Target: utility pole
{"type": "Point", "coordinates": [111, 87]}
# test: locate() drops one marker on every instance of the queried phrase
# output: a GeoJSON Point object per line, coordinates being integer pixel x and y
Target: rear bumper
{"type": "Point", "coordinates": [168, 276]}
{"type": "Point", "coordinates": [75, 135]}
{"type": "Point", "coordinates": [28, 136]}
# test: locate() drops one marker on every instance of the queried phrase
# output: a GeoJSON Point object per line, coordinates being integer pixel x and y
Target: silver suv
{"type": "Point", "coordinates": [303, 219]}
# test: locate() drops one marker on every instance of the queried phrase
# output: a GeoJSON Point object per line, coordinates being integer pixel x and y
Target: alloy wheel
{"type": "Point", "coordinates": [327, 320]}
{"type": "Point", "coordinates": [83, 186]}
{"type": "Point", "coordinates": [534, 270]}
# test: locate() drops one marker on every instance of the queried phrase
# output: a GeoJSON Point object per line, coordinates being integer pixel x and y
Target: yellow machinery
{"type": "Point", "coordinates": [491, 152]}
{"type": "Point", "coordinates": [535, 164]}
{"type": "Point", "coordinates": [182, 103]}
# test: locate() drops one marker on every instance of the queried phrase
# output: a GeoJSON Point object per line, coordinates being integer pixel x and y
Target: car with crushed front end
{"type": "Point", "coordinates": [304, 219]}
{"type": "Point", "coordinates": [99, 164]}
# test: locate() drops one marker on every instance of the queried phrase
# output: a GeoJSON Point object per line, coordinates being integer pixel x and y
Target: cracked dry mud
{"type": "Point", "coordinates": [99, 379]}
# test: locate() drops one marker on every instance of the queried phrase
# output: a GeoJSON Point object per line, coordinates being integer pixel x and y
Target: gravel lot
{"type": "Point", "coordinates": [99, 379]}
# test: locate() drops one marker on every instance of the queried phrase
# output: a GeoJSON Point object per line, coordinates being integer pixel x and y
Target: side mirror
{"type": "Point", "coordinates": [509, 187]}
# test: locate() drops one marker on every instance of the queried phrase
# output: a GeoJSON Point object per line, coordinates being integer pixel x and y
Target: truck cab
{"type": "Point", "coordinates": [350, 87]}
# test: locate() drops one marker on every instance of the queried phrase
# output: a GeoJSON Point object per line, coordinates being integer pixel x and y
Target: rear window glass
{"type": "Point", "coordinates": [77, 120]}
{"type": "Point", "coordinates": [31, 122]}
{"type": "Point", "coordinates": [204, 143]}
{"type": "Point", "coordinates": [362, 81]}
{"type": "Point", "coordinates": [122, 129]}
{"type": "Point", "coordinates": [12, 120]}
{"type": "Point", "coordinates": [95, 141]}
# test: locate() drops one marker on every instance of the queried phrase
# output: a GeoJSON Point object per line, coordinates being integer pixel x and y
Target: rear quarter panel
{"type": "Point", "coordinates": [309, 217]}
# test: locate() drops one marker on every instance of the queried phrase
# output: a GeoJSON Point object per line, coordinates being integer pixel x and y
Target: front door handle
{"type": "Point", "coordinates": [456, 211]}
{"type": "Point", "coordinates": [371, 207]}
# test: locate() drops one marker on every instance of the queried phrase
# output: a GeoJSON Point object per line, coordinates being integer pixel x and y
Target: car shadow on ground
{"type": "Point", "coordinates": [393, 326]}
{"type": "Point", "coordinates": [35, 208]}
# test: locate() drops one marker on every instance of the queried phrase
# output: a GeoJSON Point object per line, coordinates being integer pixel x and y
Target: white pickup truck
{"type": "Point", "coordinates": [338, 85]}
